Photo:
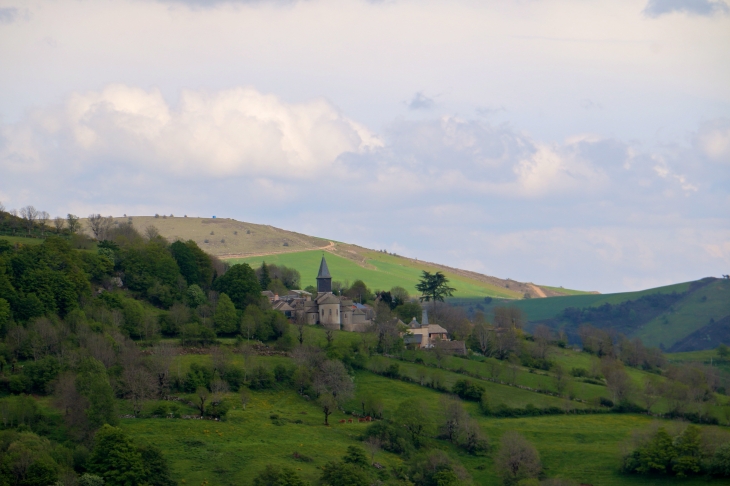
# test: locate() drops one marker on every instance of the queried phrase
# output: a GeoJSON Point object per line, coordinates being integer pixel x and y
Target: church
{"type": "Point", "coordinates": [329, 310]}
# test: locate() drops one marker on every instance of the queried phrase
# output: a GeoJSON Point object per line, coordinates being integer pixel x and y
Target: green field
{"type": "Point", "coordinates": [381, 274]}
{"type": "Point", "coordinates": [22, 240]}
{"type": "Point", "coordinates": [231, 452]}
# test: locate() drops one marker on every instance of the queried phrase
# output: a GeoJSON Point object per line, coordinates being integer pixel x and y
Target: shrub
{"type": "Point", "coordinates": [466, 390]}
{"type": "Point", "coordinates": [579, 372]}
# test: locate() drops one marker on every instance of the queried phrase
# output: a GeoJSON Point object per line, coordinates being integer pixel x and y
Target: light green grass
{"type": "Point", "coordinates": [566, 291]}
{"type": "Point", "coordinates": [22, 240]}
{"type": "Point", "coordinates": [688, 315]}
{"type": "Point", "coordinates": [382, 273]}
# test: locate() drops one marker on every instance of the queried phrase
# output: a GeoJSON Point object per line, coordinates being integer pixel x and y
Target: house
{"type": "Point", "coordinates": [424, 335]}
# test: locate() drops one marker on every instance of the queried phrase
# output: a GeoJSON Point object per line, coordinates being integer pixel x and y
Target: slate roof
{"type": "Point", "coordinates": [324, 272]}
{"type": "Point", "coordinates": [328, 299]}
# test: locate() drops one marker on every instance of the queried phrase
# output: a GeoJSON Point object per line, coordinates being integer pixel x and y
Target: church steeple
{"type": "Point", "coordinates": [324, 279]}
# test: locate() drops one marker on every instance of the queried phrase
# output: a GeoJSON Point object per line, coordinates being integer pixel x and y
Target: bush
{"type": "Point", "coordinates": [466, 390]}
{"type": "Point", "coordinates": [261, 378]}
{"type": "Point", "coordinates": [579, 372]}
{"type": "Point", "coordinates": [274, 475]}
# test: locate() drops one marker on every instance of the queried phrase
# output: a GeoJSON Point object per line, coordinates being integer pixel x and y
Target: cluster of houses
{"type": "Point", "coordinates": [341, 313]}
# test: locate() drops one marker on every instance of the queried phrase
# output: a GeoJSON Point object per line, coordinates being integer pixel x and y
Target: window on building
{"type": "Point", "coordinates": [330, 311]}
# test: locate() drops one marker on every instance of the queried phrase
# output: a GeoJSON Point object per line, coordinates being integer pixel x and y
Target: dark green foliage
{"type": "Point", "coordinates": [198, 375]}
{"type": "Point", "coordinates": [92, 383]}
{"type": "Point", "coordinates": [156, 470]}
{"type": "Point", "coordinates": [661, 454]}
{"type": "Point", "coordinates": [234, 377]}
{"type": "Point", "coordinates": [356, 456]}
{"type": "Point", "coordinates": [408, 311]}
{"type": "Point", "coordinates": [27, 459]}
{"type": "Point", "coordinates": [467, 390]}
{"type": "Point", "coordinates": [276, 476]}
{"type": "Point", "coordinates": [434, 287]}
{"type": "Point", "coordinates": [226, 317]}
{"type": "Point", "coordinates": [151, 270]}
{"type": "Point", "coordinates": [195, 265]}
{"type": "Point", "coordinates": [241, 285]}
{"type": "Point", "coordinates": [264, 277]}
{"type": "Point", "coordinates": [261, 378]}
{"type": "Point", "coordinates": [393, 439]}
{"type": "Point", "coordinates": [116, 459]}
{"type": "Point", "coordinates": [41, 373]}
{"type": "Point", "coordinates": [720, 463]}
{"type": "Point", "coordinates": [344, 474]}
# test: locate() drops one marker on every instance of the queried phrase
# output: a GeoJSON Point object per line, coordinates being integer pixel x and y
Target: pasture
{"type": "Point", "coordinates": [380, 272]}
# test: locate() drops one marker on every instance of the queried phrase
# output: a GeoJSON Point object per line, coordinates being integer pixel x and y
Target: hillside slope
{"type": "Point", "coordinates": [683, 317]}
{"type": "Point", "coordinates": [239, 241]}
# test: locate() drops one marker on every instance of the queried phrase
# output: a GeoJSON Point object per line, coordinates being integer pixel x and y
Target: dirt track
{"type": "Point", "coordinates": [328, 247]}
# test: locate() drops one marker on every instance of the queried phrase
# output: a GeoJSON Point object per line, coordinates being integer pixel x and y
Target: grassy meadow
{"type": "Point", "coordinates": [381, 272]}
{"type": "Point", "coordinates": [585, 448]}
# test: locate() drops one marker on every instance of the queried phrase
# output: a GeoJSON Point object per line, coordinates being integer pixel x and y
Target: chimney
{"type": "Point", "coordinates": [424, 318]}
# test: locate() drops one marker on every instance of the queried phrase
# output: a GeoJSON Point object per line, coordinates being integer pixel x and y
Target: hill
{"type": "Point", "coordinates": [681, 317]}
{"type": "Point", "coordinates": [238, 241]}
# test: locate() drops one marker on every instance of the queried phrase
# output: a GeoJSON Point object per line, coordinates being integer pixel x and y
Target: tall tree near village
{"type": "Point", "coordinates": [434, 287]}
{"type": "Point", "coordinates": [265, 278]}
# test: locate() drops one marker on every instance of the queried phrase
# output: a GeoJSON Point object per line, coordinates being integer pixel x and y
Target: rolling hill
{"type": "Point", "coordinates": [682, 317]}
{"type": "Point", "coordinates": [238, 241]}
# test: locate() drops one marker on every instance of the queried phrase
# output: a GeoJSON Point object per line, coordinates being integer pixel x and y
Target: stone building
{"type": "Point", "coordinates": [326, 308]}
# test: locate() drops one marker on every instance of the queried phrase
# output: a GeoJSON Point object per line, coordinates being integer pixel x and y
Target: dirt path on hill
{"type": "Point", "coordinates": [538, 290]}
{"type": "Point", "coordinates": [328, 247]}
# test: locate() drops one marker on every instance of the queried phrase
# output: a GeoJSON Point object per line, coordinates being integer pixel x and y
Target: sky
{"type": "Point", "coordinates": [562, 142]}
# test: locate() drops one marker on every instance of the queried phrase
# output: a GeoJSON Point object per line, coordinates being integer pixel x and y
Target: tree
{"type": "Point", "coordinates": [542, 336]}
{"type": "Point", "coordinates": [618, 381]}
{"type": "Point", "coordinates": [434, 287]}
{"type": "Point", "coordinates": [43, 218]}
{"type": "Point", "coordinates": [240, 284]}
{"type": "Point", "coordinates": [100, 225]}
{"type": "Point", "coordinates": [59, 223]}
{"type": "Point", "coordinates": [482, 334]}
{"type": "Point", "coordinates": [344, 474]}
{"type": "Point", "coordinates": [276, 476]}
{"type": "Point", "coordinates": [201, 397]}
{"type": "Point", "coordinates": [723, 351]}
{"type": "Point", "coordinates": [509, 317]}
{"type": "Point", "coordinates": [412, 414]}
{"type": "Point", "coordinates": [454, 416]}
{"type": "Point", "coordinates": [115, 459]}
{"type": "Point", "coordinates": [373, 444]}
{"type": "Point", "coordinates": [225, 318]}
{"type": "Point", "coordinates": [72, 221]}
{"type": "Point", "coordinates": [29, 215]}
{"type": "Point", "coordinates": [264, 278]}
{"type": "Point", "coordinates": [517, 458]}
{"type": "Point", "coordinates": [400, 295]}
{"type": "Point", "coordinates": [329, 405]}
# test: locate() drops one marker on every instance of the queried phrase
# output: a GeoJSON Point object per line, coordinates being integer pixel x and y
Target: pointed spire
{"type": "Point", "coordinates": [324, 272]}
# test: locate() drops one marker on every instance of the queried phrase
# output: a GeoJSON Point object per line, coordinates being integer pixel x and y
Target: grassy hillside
{"type": "Point", "coordinates": [224, 236]}
{"type": "Point", "coordinates": [697, 309]}
{"type": "Point", "coordinates": [231, 452]}
{"type": "Point", "coordinates": [379, 274]}
{"type": "Point", "coordinates": [241, 241]}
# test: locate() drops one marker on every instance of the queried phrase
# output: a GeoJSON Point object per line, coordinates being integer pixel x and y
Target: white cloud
{"type": "Point", "coordinates": [227, 133]}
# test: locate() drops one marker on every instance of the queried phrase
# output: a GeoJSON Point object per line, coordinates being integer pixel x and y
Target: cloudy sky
{"type": "Point", "coordinates": [564, 142]}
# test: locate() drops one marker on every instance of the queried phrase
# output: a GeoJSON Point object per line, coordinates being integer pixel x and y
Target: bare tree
{"type": "Point", "coordinates": [561, 378]}
{"type": "Point", "coordinates": [542, 337]}
{"type": "Point", "coordinates": [471, 436]}
{"type": "Point", "coordinates": [454, 416]}
{"type": "Point", "coordinates": [201, 397]}
{"type": "Point", "coordinates": [151, 232]}
{"type": "Point", "coordinates": [245, 396]}
{"type": "Point", "coordinates": [29, 215]}
{"type": "Point", "coordinates": [517, 458]}
{"type": "Point", "coordinates": [159, 364]}
{"type": "Point", "coordinates": [333, 385]}
{"type": "Point", "coordinates": [14, 219]}
{"type": "Point", "coordinates": [59, 223]}
{"type": "Point", "coordinates": [482, 333]}
{"type": "Point", "coordinates": [179, 315]}
{"type": "Point", "coordinates": [651, 392]}
{"type": "Point", "coordinates": [617, 380]}
{"type": "Point", "coordinates": [73, 223]}
{"type": "Point", "coordinates": [138, 385]}
{"type": "Point", "coordinates": [300, 322]}
{"type": "Point", "coordinates": [100, 225]}
{"type": "Point", "coordinates": [43, 218]}
{"type": "Point", "coordinates": [373, 444]}
{"type": "Point", "coordinates": [509, 317]}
